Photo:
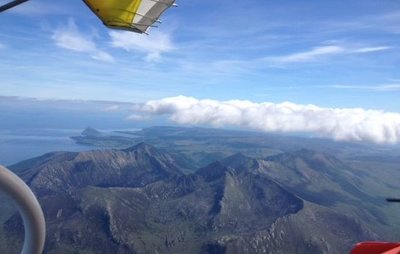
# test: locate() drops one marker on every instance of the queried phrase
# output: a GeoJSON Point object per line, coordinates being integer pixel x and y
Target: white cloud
{"type": "Point", "coordinates": [2, 46]}
{"type": "Point", "coordinates": [71, 38]}
{"type": "Point", "coordinates": [153, 45]}
{"type": "Point", "coordinates": [350, 124]}
{"type": "Point", "coordinates": [138, 117]}
{"type": "Point", "coordinates": [102, 56]}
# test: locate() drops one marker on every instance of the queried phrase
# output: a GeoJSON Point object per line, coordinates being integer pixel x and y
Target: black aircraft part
{"type": "Point", "coordinates": [11, 4]}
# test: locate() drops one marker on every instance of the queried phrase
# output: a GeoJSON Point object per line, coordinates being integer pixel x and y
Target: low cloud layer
{"type": "Point", "coordinates": [348, 124]}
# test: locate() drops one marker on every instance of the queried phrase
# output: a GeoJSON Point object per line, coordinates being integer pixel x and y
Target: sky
{"type": "Point", "coordinates": [330, 55]}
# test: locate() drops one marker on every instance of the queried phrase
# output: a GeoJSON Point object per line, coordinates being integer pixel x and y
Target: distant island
{"type": "Point", "coordinates": [91, 132]}
{"type": "Point", "coordinates": [93, 137]}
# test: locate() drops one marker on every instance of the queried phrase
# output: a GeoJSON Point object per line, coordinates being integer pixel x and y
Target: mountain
{"type": "Point", "coordinates": [198, 147]}
{"type": "Point", "coordinates": [133, 167]}
{"type": "Point", "coordinates": [91, 132]}
{"type": "Point", "coordinates": [323, 179]}
{"type": "Point", "coordinates": [238, 160]}
{"type": "Point", "coordinates": [137, 200]}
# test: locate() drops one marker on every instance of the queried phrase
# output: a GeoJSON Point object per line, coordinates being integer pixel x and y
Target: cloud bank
{"type": "Point", "coordinates": [347, 124]}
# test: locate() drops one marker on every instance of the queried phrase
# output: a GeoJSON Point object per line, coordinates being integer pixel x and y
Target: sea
{"type": "Point", "coordinates": [30, 128]}
{"type": "Point", "coordinates": [19, 145]}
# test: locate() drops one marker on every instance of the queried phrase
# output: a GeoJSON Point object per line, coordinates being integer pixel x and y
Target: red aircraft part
{"type": "Point", "coordinates": [376, 248]}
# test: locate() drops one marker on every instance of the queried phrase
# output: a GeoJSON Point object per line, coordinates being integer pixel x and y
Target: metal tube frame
{"type": "Point", "coordinates": [29, 208]}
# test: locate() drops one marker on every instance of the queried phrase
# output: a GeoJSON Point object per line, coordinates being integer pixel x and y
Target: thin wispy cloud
{"type": "Point", "coordinates": [112, 108]}
{"type": "Point", "coordinates": [348, 124]}
{"type": "Point", "coordinates": [314, 55]}
{"type": "Point", "coordinates": [153, 45]}
{"type": "Point", "coordinates": [2, 46]}
{"type": "Point", "coordinates": [387, 22]}
{"type": "Point", "coordinates": [307, 56]}
{"type": "Point", "coordinates": [323, 52]}
{"type": "Point", "coordinates": [71, 38]}
{"type": "Point", "coordinates": [371, 49]}
{"type": "Point", "coordinates": [377, 88]}
{"type": "Point", "coordinates": [369, 88]}
{"type": "Point", "coordinates": [102, 56]}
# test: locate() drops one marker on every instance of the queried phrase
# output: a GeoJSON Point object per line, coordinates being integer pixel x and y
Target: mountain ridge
{"type": "Point", "coordinates": [137, 200]}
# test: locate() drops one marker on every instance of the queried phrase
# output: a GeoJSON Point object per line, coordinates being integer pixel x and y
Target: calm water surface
{"type": "Point", "coordinates": [20, 145]}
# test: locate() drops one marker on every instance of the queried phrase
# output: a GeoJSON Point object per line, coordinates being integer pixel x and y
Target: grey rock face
{"type": "Point", "coordinates": [137, 200]}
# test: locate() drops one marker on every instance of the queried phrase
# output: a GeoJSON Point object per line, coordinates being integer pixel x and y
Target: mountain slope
{"type": "Point", "coordinates": [137, 201]}
{"type": "Point", "coordinates": [325, 180]}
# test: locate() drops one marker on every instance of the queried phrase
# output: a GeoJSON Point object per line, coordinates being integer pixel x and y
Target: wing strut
{"type": "Point", "coordinates": [393, 200]}
{"type": "Point", "coordinates": [11, 4]}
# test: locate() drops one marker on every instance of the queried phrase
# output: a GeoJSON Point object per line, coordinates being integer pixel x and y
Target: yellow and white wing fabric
{"type": "Point", "coordinates": [132, 15]}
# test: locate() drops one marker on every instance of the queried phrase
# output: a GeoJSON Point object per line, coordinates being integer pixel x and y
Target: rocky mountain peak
{"type": "Point", "coordinates": [213, 171]}
{"type": "Point", "coordinates": [142, 147]}
{"type": "Point", "coordinates": [307, 155]}
{"type": "Point", "coordinates": [236, 160]}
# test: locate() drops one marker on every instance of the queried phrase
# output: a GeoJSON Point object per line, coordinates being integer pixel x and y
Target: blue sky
{"type": "Point", "coordinates": [327, 53]}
